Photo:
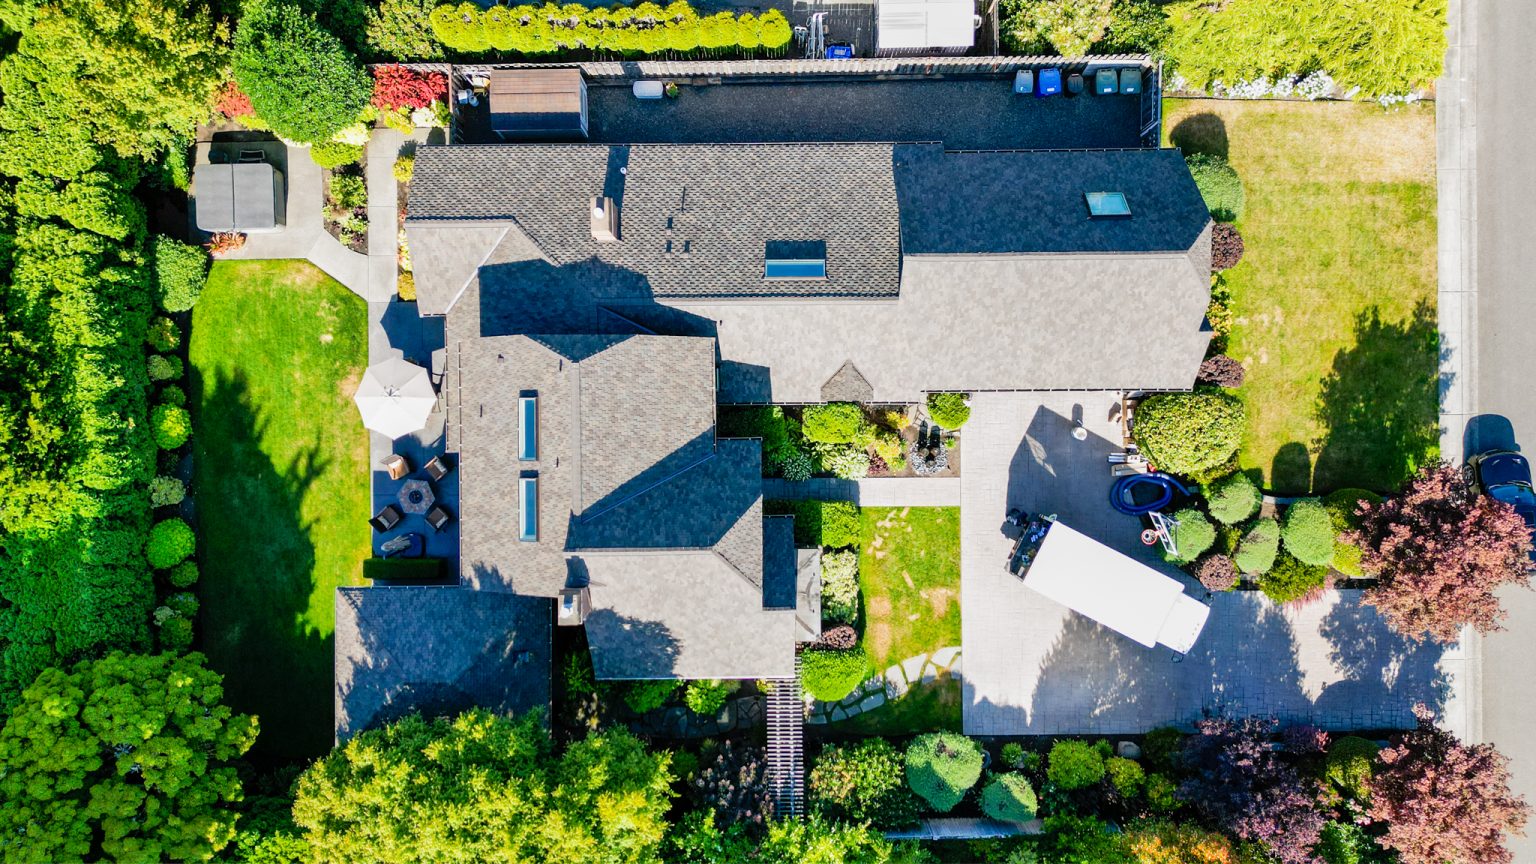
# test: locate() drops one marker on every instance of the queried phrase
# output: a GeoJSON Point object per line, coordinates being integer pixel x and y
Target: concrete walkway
{"type": "Point", "coordinates": [870, 492]}
{"type": "Point", "coordinates": [893, 683]}
{"type": "Point", "coordinates": [1034, 667]}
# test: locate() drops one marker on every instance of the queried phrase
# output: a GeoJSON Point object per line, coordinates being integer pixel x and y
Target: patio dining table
{"type": "Point", "coordinates": [416, 496]}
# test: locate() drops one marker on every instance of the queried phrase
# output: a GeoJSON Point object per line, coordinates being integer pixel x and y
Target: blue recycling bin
{"type": "Point", "coordinates": [839, 52]}
{"type": "Point", "coordinates": [1050, 82]}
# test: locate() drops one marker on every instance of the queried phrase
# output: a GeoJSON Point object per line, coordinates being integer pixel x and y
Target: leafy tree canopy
{"type": "Point", "coordinates": [483, 788]}
{"type": "Point", "coordinates": [125, 758]}
{"type": "Point", "coordinates": [302, 81]}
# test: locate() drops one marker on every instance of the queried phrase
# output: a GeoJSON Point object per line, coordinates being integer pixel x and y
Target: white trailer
{"type": "Point", "coordinates": [1094, 580]}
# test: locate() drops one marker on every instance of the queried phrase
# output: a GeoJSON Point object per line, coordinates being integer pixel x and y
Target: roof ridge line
{"type": "Point", "coordinates": [638, 492]}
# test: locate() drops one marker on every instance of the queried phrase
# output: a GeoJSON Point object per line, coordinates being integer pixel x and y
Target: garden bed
{"type": "Point", "coordinates": [844, 440]}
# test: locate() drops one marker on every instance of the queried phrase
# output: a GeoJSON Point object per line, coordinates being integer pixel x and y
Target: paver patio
{"type": "Point", "coordinates": [1034, 667]}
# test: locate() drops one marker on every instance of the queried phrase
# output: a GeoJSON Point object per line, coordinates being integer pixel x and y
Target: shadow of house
{"type": "Point", "coordinates": [257, 559]}
{"type": "Point", "coordinates": [648, 647]}
{"type": "Point", "coordinates": [1378, 405]}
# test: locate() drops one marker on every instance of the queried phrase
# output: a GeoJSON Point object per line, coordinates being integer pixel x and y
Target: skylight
{"type": "Point", "coordinates": [528, 427]}
{"type": "Point", "coordinates": [528, 518]}
{"type": "Point", "coordinates": [1107, 204]}
{"type": "Point", "coordinates": [795, 259]}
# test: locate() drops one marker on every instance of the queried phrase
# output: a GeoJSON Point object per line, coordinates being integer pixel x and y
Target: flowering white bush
{"type": "Point", "coordinates": [840, 586]}
{"type": "Point", "coordinates": [357, 133]}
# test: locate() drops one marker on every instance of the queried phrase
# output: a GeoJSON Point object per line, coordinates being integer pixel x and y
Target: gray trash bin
{"type": "Point", "coordinates": [1106, 82]}
{"type": "Point", "coordinates": [1024, 82]}
{"type": "Point", "coordinates": [1130, 81]}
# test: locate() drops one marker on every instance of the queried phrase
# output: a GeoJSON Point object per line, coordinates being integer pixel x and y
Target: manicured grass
{"type": "Point", "coordinates": [909, 576]}
{"type": "Point", "coordinates": [1334, 299]}
{"type": "Point", "coordinates": [277, 349]}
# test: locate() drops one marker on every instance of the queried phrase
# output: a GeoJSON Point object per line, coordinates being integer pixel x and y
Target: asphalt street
{"type": "Point", "coordinates": [1504, 381]}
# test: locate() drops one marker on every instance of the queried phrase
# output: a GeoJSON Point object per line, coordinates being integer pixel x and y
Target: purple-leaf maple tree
{"type": "Point", "coordinates": [1445, 801]}
{"type": "Point", "coordinates": [1440, 550]}
{"type": "Point", "coordinates": [1240, 783]}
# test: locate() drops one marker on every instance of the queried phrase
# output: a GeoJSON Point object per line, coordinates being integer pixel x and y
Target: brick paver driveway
{"type": "Point", "coordinates": [1033, 667]}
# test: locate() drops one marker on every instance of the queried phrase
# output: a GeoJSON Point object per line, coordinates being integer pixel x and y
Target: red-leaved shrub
{"type": "Point", "coordinates": [839, 638]}
{"type": "Point", "coordinates": [1226, 247]}
{"type": "Point", "coordinates": [1440, 551]}
{"type": "Point", "coordinates": [396, 87]}
{"type": "Point", "coordinates": [1442, 800]}
{"type": "Point", "coordinates": [1216, 572]}
{"type": "Point", "coordinates": [231, 102]}
{"type": "Point", "coordinates": [1220, 370]}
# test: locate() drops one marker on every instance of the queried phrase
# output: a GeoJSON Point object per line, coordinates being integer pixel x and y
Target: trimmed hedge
{"type": "Point", "coordinates": [180, 271]}
{"type": "Point", "coordinates": [833, 423]}
{"type": "Point", "coordinates": [949, 410]}
{"type": "Point", "coordinates": [1341, 511]}
{"type": "Point", "coordinates": [1189, 433]}
{"type": "Point", "coordinates": [392, 569]}
{"type": "Point", "coordinates": [1074, 765]}
{"type": "Point", "coordinates": [1219, 185]}
{"type": "Point", "coordinates": [1291, 580]}
{"type": "Point", "coordinates": [1232, 499]}
{"type": "Point", "coordinates": [1349, 765]}
{"type": "Point", "coordinates": [831, 675]}
{"type": "Point", "coordinates": [1257, 550]}
{"type": "Point", "coordinates": [1009, 798]}
{"type": "Point", "coordinates": [1216, 572]}
{"type": "Point", "coordinates": [646, 28]}
{"type": "Point", "coordinates": [942, 767]}
{"type": "Point", "coordinates": [334, 154]}
{"type": "Point", "coordinates": [840, 525]}
{"type": "Point", "coordinates": [1308, 532]}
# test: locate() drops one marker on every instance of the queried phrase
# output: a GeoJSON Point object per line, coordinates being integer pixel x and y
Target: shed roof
{"type": "Point", "coordinates": [401, 650]}
{"type": "Point", "coordinates": [538, 102]}
{"type": "Point", "coordinates": [237, 197]}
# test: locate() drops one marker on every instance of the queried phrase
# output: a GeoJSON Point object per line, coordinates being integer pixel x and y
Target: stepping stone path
{"type": "Point", "coordinates": [893, 683]}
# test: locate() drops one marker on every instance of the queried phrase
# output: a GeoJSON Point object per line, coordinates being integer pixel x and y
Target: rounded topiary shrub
{"type": "Point", "coordinates": [163, 335]}
{"type": "Point", "coordinates": [705, 697]}
{"type": "Point", "coordinates": [1192, 537]}
{"type": "Point", "coordinates": [184, 603]}
{"type": "Point", "coordinates": [1074, 764]}
{"type": "Point", "coordinates": [1219, 370]}
{"type": "Point", "coordinates": [175, 634]}
{"type": "Point", "coordinates": [180, 271]}
{"type": "Point", "coordinates": [833, 423]}
{"type": "Point", "coordinates": [170, 542]}
{"type": "Point", "coordinates": [1256, 551]}
{"type": "Point", "coordinates": [1009, 798]}
{"type": "Point", "coordinates": [1308, 532]}
{"type": "Point", "coordinates": [644, 696]}
{"type": "Point", "coordinates": [171, 394]}
{"type": "Point", "coordinates": [1292, 581]}
{"type": "Point", "coordinates": [840, 524]}
{"type": "Point", "coordinates": [1189, 433]}
{"type": "Point", "coordinates": [1341, 507]}
{"type": "Point", "coordinates": [1226, 247]}
{"type": "Point", "coordinates": [840, 586]}
{"type": "Point", "coordinates": [334, 154]}
{"type": "Point", "coordinates": [862, 782]}
{"type": "Point", "coordinates": [1216, 572]}
{"type": "Point", "coordinates": [1219, 185]}
{"type": "Point", "coordinates": [1349, 765]}
{"type": "Point", "coordinates": [171, 425]}
{"type": "Point", "coordinates": [183, 575]}
{"type": "Point", "coordinates": [949, 410]}
{"type": "Point", "coordinates": [942, 767]}
{"type": "Point", "coordinates": [830, 675]}
{"type": "Point", "coordinates": [165, 491]}
{"type": "Point", "coordinates": [163, 368]}
{"type": "Point", "coordinates": [1232, 499]}
{"type": "Point", "coordinates": [1125, 775]}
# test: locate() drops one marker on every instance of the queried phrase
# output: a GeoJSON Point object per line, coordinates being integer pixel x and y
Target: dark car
{"type": "Point", "coordinates": [1505, 475]}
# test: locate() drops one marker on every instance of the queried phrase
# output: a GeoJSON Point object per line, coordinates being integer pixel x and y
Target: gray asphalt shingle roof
{"type": "Point", "coordinates": [438, 651]}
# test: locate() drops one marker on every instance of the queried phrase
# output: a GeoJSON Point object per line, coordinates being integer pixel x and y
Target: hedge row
{"type": "Point", "coordinates": [646, 28]}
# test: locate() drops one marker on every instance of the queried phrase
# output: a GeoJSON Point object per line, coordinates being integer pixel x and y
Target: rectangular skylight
{"type": "Point", "coordinates": [795, 259]}
{"type": "Point", "coordinates": [529, 509]}
{"type": "Point", "coordinates": [1107, 204]}
{"type": "Point", "coordinates": [528, 427]}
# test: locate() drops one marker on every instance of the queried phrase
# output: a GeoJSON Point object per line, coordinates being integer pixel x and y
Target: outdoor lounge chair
{"type": "Point", "coordinates": [397, 466]}
{"type": "Point", "coordinates": [437, 468]}
{"type": "Point", "coordinates": [439, 517]}
{"type": "Point", "coordinates": [388, 518]}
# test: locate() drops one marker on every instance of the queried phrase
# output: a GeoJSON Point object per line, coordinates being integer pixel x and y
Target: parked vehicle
{"type": "Point", "coordinates": [1505, 475]}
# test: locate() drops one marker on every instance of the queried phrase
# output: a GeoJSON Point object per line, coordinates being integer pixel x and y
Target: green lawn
{"type": "Point", "coordinates": [909, 576]}
{"type": "Point", "coordinates": [1334, 299]}
{"type": "Point", "coordinates": [281, 487]}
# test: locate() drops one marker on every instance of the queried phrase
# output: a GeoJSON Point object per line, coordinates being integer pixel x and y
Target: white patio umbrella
{"type": "Point", "coordinates": [395, 397]}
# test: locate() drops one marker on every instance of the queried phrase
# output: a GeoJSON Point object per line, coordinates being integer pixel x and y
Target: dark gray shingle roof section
{"type": "Point", "coordinates": [694, 220]}
{"type": "Point", "coordinates": [438, 651]}
{"type": "Point", "coordinates": [779, 562]}
{"type": "Point", "coordinates": [1031, 202]}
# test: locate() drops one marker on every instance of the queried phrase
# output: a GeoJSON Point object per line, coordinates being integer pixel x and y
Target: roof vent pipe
{"type": "Point", "coordinates": [605, 220]}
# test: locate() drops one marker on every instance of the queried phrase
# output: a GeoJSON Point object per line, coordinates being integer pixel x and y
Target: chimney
{"type": "Point", "coordinates": [605, 220]}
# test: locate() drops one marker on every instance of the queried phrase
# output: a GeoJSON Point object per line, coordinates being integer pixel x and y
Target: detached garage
{"type": "Point", "coordinates": [538, 104]}
{"type": "Point", "coordinates": [245, 197]}
{"type": "Point", "coordinates": [911, 27]}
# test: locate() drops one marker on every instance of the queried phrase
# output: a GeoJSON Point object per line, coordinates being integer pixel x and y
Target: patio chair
{"type": "Point", "coordinates": [437, 468]}
{"type": "Point", "coordinates": [397, 466]}
{"type": "Point", "coordinates": [439, 517]}
{"type": "Point", "coordinates": [388, 518]}
{"type": "Point", "coordinates": [252, 156]}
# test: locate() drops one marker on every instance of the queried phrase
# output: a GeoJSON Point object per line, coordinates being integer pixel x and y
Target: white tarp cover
{"type": "Point", "coordinates": [1094, 580]}
{"type": "Point", "coordinates": [925, 24]}
{"type": "Point", "coordinates": [395, 397]}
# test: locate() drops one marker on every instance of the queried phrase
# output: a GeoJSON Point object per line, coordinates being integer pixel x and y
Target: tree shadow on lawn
{"type": "Point", "coordinates": [1200, 133]}
{"type": "Point", "coordinates": [257, 561]}
{"type": "Point", "coordinates": [1379, 405]}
